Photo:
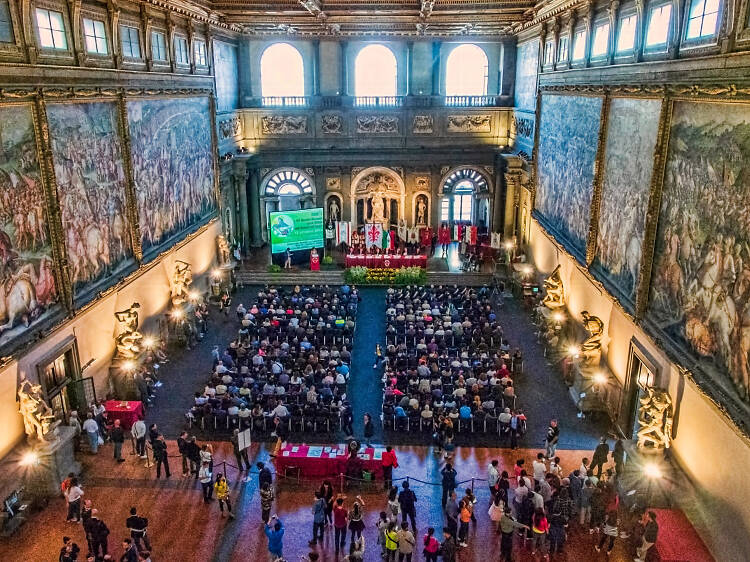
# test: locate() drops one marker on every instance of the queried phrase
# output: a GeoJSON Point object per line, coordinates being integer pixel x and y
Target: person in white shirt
{"type": "Point", "coordinates": [138, 431]}
{"type": "Point", "coordinates": [584, 470]}
{"type": "Point", "coordinates": [555, 468]}
{"type": "Point", "coordinates": [493, 475]}
{"type": "Point", "coordinates": [92, 432]}
{"type": "Point", "coordinates": [74, 495]}
{"type": "Point", "coordinates": [280, 411]}
{"type": "Point", "coordinates": [540, 469]}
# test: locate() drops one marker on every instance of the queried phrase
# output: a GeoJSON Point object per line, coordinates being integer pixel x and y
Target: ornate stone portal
{"type": "Point", "coordinates": [655, 418]}
{"type": "Point", "coordinates": [591, 349]}
{"type": "Point", "coordinates": [555, 294]}
{"type": "Point", "coordinates": [378, 196]}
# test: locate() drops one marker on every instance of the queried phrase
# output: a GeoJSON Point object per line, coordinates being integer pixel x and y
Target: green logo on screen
{"type": "Point", "coordinates": [282, 226]}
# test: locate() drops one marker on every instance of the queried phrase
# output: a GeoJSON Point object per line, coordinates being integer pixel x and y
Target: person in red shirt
{"type": "Point", "coordinates": [389, 463]}
{"type": "Point", "coordinates": [340, 520]}
{"type": "Point", "coordinates": [540, 528]}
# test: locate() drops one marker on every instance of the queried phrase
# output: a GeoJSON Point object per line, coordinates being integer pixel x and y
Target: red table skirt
{"type": "Point", "coordinates": [325, 465]}
{"type": "Point", "coordinates": [127, 412]}
{"type": "Point", "coordinates": [383, 261]}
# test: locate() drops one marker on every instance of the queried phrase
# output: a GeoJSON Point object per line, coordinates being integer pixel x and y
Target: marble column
{"type": "Point", "coordinates": [344, 69]}
{"type": "Point", "coordinates": [316, 68]}
{"type": "Point", "coordinates": [436, 68]}
{"type": "Point", "coordinates": [240, 189]}
{"type": "Point", "coordinates": [255, 210]}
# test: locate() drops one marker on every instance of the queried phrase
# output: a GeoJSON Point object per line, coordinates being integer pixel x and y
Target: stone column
{"type": "Point", "coordinates": [344, 69]}
{"type": "Point", "coordinates": [498, 201]}
{"type": "Point", "coordinates": [512, 197]}
{"type": "Point", "coordinates": [254, 204]}
{"type": "Point", "coordinates": [590, 31]}
{"type": "Point", "coordinates": [240, 190]}
{"type": "Point", "coordinates": [435, 68]}
{"type": "Point", "coordinates": [614, 13]}
{"type": "Point", "coordinates": [409, 63]}
{"type": "Point", "coordinates": [316, 67]}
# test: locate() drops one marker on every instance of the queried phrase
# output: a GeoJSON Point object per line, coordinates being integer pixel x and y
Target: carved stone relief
{"type": "Point", "coordinates": [444, 170]}
{"type": "Point", "coordinates": [333, 184]}
{"type": "Point", "coordinates": [229, 127]}
{"type": "Point", "coordinates": [356, 170]}
{"type": "Point", "coordinates": [422, 124]}
{"type": "Point", "coordinates": [378, 182]}
{"type": "Point", "coordinates": [310, 172]}
{"type": "Point", "coordinates": [399, 170]}
{"type": "Point", "coordinates": [331, 124]}
{"type": "Point", "coordinates": [378, 124]}
{"type": "Point", "coordinates": [284, 124]}
{"type": "Point", "coordinates": [469, 123]}
{"type": "Point", "coordinates": [524, 126]}
{"type": "Point", "coordinates": [422, 183]}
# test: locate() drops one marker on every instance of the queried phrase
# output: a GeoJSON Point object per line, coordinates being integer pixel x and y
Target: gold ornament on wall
{"type": "Point", "coordinates": [655, 416]}
{"type": "Point", "coordinates": [38, 419]}
{"type": "Point", "coordinates": [591, 348]}
{"type": "Point", "coordinates": [555, 292]}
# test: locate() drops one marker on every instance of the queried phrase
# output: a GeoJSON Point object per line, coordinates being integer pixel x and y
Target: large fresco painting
{"type": "Point", "coordinates": [700, 289]}
{"type": "Point", "coordinates": [628, 165]}
{"type": "Point", "coordinates": [225, 75]}
{"type": "Point", "coordinates": [29, 295]}
{"type": "Point", "coordinates": [91, 184]}
{"type": "Point", "coordinates": [527, 61]}
{"type": "Point", "coordinates": [172, 166]}
{"type": "Point", "coordinates": [569, 129]}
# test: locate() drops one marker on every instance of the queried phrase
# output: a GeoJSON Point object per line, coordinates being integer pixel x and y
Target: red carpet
{"type": "Point", "coordinates": [678, 541]}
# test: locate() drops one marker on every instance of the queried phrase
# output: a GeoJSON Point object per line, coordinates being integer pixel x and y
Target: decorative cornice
{"type": "Point", "coordinates": [655, 90]}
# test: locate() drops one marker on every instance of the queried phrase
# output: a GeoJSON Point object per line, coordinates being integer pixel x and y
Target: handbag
{"type": "Point", "coordinates": [99, 440]}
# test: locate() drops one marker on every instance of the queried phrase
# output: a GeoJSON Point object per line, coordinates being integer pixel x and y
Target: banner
{"type": "Point", "coordinates": [413, 235]}
{"type": "Point", "coordinates": [425, 236]}
{"type": "Point", "coordinates": [296, 230]}
{"type": "Point", "coordinates": [496, 240]}
{"type": "Point", "coordinates": [343, 233]}
{"type": "Point", "coordinates": [374, 235]}
{"type": "Point", "coordinates": [471, 235]}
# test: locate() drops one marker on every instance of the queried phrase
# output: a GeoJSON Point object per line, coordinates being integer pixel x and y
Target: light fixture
{"type": "Point", "coordinates": [216, 273]}
{"type": "Point", "coordinates": [652, 471]}
{"type": "Point", "coordinates": [600, 378]}
{"type": "Point", "coordinates": [128, 366]}
{"type": "Point", "coordinates": [177, 313]}
{"type": "Point", "coordinates": [558, 317]}
{"type": "Point", "coordinates": [29, 458]}
{"type": "Point", "coordinates": [574, 351]}
{"type": "Point", "coordinates": [149, 342]}
{"type": "Point", "coordinates": [193, 295]}
{"type": "Point", "coordinates": [508, 245]}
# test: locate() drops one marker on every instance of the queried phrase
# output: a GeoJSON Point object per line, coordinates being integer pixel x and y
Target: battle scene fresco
{"type": "Point", "coordinates": [172, 166]}
{"type": "Point", "coordinates": [700, 288]}
{"type": "Point", "coordinates": [628, 164]}
{"type": "Point", "coordinates": [569, 128]}
{"type": "Point", "coordinates": [30, 294]}
{"type": "Point", "coordinates": [87, 155]}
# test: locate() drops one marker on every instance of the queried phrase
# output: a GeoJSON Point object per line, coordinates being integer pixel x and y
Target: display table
{"type": "Point", "coordinates": [386, 261]}
{"type": "Point", "coordinates": [127, 412]}
{"type": "Point", "coordinates": [325, 460]}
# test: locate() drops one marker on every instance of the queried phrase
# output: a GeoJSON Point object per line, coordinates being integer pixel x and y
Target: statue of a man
{"type": "Point", "coordinates": [655, 419]}
{"type": "Point", "coordinates": [421, 208]}
{"type": "Point", "coordinates": [591, 349]}
{"type": "Point", "coordinates": [223, 247]}
{"type": "Point", "coordinates": [554, 288]}
{"type": "Point", "coordinates": [333, 210]}
{"type": "Point", "coordinates": [37, 415]}
{"type": "Point", "coordinates": [129, 340]}
{"type": "Point", "coordinates": [378, 209]}
{"type": "Point", "coordinates": [183, 277]}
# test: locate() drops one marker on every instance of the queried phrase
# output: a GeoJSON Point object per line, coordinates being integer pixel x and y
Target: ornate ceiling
{"type": "Point", "coordinates": [441, 18]}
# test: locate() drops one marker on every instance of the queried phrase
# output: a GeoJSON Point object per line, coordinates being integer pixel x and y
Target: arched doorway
{"type": "Point", "coordinates": [377, 195]}
{"type": "Point", "coordinates": [285, 189]}
{"type": "Point", "coordinates": [465, 197]}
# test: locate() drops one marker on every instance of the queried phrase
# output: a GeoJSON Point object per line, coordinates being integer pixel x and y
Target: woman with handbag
{"type": "Point", "coordinates": [431, 546]}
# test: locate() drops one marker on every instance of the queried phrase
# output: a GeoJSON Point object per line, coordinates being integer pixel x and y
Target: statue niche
{"type": "Point", "coordinates": [553, 286]}
{"type": "Point", "coordinates": [655, 416]}
{"type": "Point", "coordinates": [378, 195]}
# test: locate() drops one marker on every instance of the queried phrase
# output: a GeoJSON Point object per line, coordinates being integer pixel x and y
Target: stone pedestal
{"type": "Point", "coordinates": [638, 485]}
{"type": "Point", "coordinates": [55, 461]}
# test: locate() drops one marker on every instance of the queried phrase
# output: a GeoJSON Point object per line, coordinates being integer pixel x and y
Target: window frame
{"type": "Point", "coordinates": [630, 51]}
{"type": "Point", "coordinates": [396, 76]}
{"type": "Point", "coordinates": [486, 77]}
{"type": "Point", "coordinates": [130, 27]}
{"type": "Point", "coordinates": [200, 53]}
{"type": "Point", "coordinates": [11, 31]}
{"type": "Point", "coordinates": [445, 209]}
{"type": "Point", "coordinates": [701, 39]}
{"type": "Point", "coordinates": [601, 56]}
{"type": "Point", "coordinates": [163, 35]}
{"type": "Point", "coordinates": [181, 40]}
{"type": "Point", "coordinates": [563, 41]}
{"type": "Point", "coordinates": [582, 32]}
{"type": "Point", "coordinates": [95, 37]}
{"type": "Point", "coordinates": [549, 53]}
{"type": "Point", "coordinates": [659, 47]}
{"type": "Point", "coordinates": [51, 30]}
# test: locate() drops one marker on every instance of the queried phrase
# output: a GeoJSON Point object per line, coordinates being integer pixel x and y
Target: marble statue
{"type": "Point", "coordinates": [223, 248]}
{"type": "Point", "coordinates": [378, 208]}
{"type": "Point", "coordinates": [553, 286]}
{"type": "Point", "coordinates": [129, 340]}
{"type": "Point", "coordinates": [655, 418]}
{"type": "Point", "coordinates": [183, 277]}
{"type": "Point", "coordinates": [333, 210]}
{"type": "Point", "coordinates": [37, 415]}
{"type": "Point", "coordinates": [421, 208]}
{"type": "Point", "coordinates": [591, 348]}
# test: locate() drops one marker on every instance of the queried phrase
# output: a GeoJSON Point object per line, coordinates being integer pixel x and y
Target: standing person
{"type": "Point", "coordinates": [464, 519]}
{"type": "Point", "coordinates": [117, 435]}
{"type": "Point", "coordinates": [449, 547]}
{"type": "Point", "coordinates": [406, 499]}
{"type": "Point", "coordinates": [266, 500]}
{"type": "Point", "coordinates": [389, 463]}
{"type": "Point", "coordinates": [391, 542]}
{"type": "Point", "coordinates": [183, 447]}
{"type": "Point", "coordinates": [326, 492]}
{"type": "Point", "coordinates": [406, 543]}
{"type": "Point", "coordinates": [264, 474]}
{"type": "Point", "coordinates": [160, 456]}
{"type": "Point", "coordinates": [204, 475]}
{"type": "Point", "coordinates": [448, 481]}
{"type": "Point", "coordinates": [346, 420]}
{"type": "Point", "coordinates": [194, 455]}
{"type": "Point", "coordinates": [221, 487]}
{"type": "Point", "coordinates": [92, 432]}
{"type": "Point", "coordinates": [618, 455]}
{"type": "Point", "coordinates": [74, 495]}
{"type": "Point", "coordinates": [69, 551]}
{"type": "Point", "coordinates": [599, 458]}
{"type": "Point", "coordinates": [369, 429]}
{"type": "Point", "coordinates": [240, 455]}
{"type": "Point", "coordinates": [382, 526]}
{"type": "Point", "coordinates": [539, 467]}
{"type": "Point", "coordinates": [431, 546]}
{"type": "Point", "coordinates": [551, 439]}
{"type": "Point", "coordinates": [587, 492]}
{"type": "Point", "coordinates": [493, 475]}
{"type": "Point", "coordinates": [539, 528]}
{"type": "Point", "coordinates": [452, 511]}
{"type": "Point", "coordinates": [138, 529]}
{"type": "Point", "coordinates": [393, 506]}
{"type": "Point", "coordinates": [288, 260]}
{"type": "Point", "coordinates": [496, 510]}
{"type": "Point", "coordinates": [319, 519]}
{"type": "Point", "coordinates": [138, 431]}
{"type": "Point", "coordinates": [650, 534]}
{"type": "Point", "coordinates": [356, 516]}
{"type": "Point", "coordinates": [356, 551]}
{"type": "Point", "coordinates": [275, 532]}
{"type": "Point", "coordinates": [131, 552]}
{"type": "Point", "coordinates": [99, 535]}
{"type": "Point", "coordinates": [609, 531]}
{"type": "Point", "coordinates": [507, 526]}
{"type": "Point", "coordinates": [340, 516]}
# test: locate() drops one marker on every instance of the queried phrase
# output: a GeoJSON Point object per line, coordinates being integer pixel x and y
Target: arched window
{"type": "Point", "coordinates": [375, 72]}
{"type": "Point", "coordinates": [462, 186]}
{"type": "Point", "coordinates": [466, 71]}
{"type": "Point", "coordinates": [288, 182]}
{"type": "Point", "coordinates": [282, 72]}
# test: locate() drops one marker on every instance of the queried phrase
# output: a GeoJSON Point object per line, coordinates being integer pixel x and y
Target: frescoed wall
{"type": "Point", "coordinates": [26, 262]}
{"type": "Point", "coordinates": [569, 127]}
{"type": "Point", "coordinates": [225, 72]}
{"type": "Point", "coordinates": [87, 155]}
{"type": "Point", "coordinates": [700, 292]}
{"type": "Point", "coordinates": [172, 166]}
{"type": "Point", "coordinates": [628, 165]}
{"type": "Point", "coordinates": [527, 62]}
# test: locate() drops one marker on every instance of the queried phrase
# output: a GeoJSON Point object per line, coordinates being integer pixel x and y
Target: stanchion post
{"type": "Point", "coordinates": [341, 483]}
{"type": "Point", "coordinates": [472, 485]}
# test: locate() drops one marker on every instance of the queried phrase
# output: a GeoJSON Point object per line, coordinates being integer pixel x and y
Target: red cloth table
{"type": "Point", "coordinates": [327, 464]}
{"type": "Point", "coordinates": [314, 263]}
{"type": "Point", "coordinates": [127, 412]}
{"type": "Point", "coordinates": [379, 261]}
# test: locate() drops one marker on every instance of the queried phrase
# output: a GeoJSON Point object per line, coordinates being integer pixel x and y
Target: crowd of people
{"type": "Point", "coordinates": [288, 367]}
{"type": "Point", "coordinates": [448, 366]}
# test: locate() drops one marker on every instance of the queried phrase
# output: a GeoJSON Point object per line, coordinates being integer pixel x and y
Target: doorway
{"type": "Point", "coordinates": [64, 388]}
{"type": "Point", "coordinates": [642, 373]}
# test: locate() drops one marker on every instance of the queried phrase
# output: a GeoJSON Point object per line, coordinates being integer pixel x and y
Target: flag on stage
{"type": "Point", "coordinates": [403, 231]}
{"type": "Point", "coordinates": [472, 235]}
{"type": "Point", "coordinates": [413, 235]}
{"type": "Point", "coordinates": [496, 240]}
{"type": "Point", "coordinates": [392, 240]}
{"type": "Point", "coordinates": [385, 239]}
{"type": "Point", "coordinates": [343, 233]}
{"type": "Point", "coordinates": [425, 236]}
{"type": "Point", "coordinates": [374, 235]}
{"type": "Point", "coordinates": [458, 232]}
{"type": "Point", "coordinates": [444, 235]}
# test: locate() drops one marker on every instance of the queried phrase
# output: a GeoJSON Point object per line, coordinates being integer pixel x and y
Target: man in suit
{"type": "Point", "coordinates": [160, 456]}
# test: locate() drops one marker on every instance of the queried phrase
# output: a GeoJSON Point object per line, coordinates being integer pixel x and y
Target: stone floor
{"type": "Point", "coordinates": [182, 528]}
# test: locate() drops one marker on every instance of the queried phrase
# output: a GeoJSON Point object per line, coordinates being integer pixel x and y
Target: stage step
{"type": "Point", "coordinates": [246, 277]}
{"type": "Point", "coordinates": [459, 278]}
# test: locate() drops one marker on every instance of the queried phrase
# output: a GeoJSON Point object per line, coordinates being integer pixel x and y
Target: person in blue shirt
{"type": "Point", "coordinates": [400, 417]}
{"type": "Point", "coordinates": [275, 533]}
{"type": "Point", "coordinates": [464, 412]}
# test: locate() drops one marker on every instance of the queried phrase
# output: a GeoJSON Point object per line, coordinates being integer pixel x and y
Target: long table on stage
{"type": "Point", "coordinates": [386, 260]}
{"type": "Point", "coordinates": [325, 460]}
